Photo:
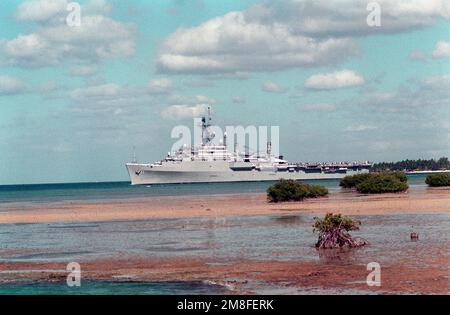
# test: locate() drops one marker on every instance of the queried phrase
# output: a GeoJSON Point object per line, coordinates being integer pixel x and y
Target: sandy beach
{"type": "Point", "coordinates": [418, 200]}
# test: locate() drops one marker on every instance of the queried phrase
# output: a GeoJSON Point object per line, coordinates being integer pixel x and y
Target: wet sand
{"type": "Point", "coordinates": [250, 277]}
{"type": "Point", "coordinates": [417, 200]}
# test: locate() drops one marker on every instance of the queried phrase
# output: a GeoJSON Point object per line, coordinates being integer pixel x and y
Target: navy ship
{"type": "Point", "coordinates": [210, 162]}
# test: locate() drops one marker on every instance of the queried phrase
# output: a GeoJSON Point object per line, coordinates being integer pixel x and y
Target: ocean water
{"type": "Point", "coordinates": [123, 190]}
{"type": "Point", "coordinates": [114, 288]}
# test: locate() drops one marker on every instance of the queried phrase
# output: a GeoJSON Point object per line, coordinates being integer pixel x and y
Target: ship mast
{"type": "Point", "coordinates": [269, 148]}
{"type": "Point", "coordinates": [206, 123]}
{"type": "Point", "coordinates": [134, 155]}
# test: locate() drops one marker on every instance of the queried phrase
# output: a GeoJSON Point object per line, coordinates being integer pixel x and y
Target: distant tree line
{"type": "Point", "coordinates": [413, 165]}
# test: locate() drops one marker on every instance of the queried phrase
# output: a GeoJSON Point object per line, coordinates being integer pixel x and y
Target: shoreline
{"type": "Point", "coordinates": [417, 200]}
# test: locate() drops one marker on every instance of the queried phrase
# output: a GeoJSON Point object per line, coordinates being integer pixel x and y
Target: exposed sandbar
{"type": "Point", "coordinates": [417, 200]}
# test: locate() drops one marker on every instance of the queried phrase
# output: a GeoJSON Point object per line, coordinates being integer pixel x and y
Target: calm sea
{"type": "Point", "coordinates": [123, 190]}
{"type": "Point", "coordinates": [114, 288]}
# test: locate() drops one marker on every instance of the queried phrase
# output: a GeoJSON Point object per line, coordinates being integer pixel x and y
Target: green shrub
{"type": "Point", "coordinates": [333, 232]}
{"type": "Point", "coordinates": [290, 190]}
{"type": "Point", "coordinates": [332, 221]}
{"type": "Point", "coordinates": [313, 191]}
{"type": "Point", "coordinates": [438, 179]}
{"type": "Point", "coordinates": [382, 183]}
{"type": "Point", "coordinates": [352, 181]}
{"type": "Point", "coordinates": [399, 175]}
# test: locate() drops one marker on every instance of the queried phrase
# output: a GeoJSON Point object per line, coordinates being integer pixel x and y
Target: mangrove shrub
{"type": "Point", "coordinates": [438, 179]}
{"type": "Point", "coordinates": [375, 183]}
{"type": "Point", "coordinates": [291, 190]}
{"type": "Point", "coordinates": [334, 230]}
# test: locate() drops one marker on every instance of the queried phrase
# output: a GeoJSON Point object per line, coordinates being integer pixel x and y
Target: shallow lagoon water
{"type": "Point", "coordinates": [249, 237]}
{"type": "Point", "coordinates": [283, 238]}
{"type": "Point", "coordinates": [123, 190]}
{"type": "Point", "coordinates": [112, 288]}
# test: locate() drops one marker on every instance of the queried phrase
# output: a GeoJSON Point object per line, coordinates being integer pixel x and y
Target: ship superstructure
{"type": "Point", "coordinates": [209, 162]}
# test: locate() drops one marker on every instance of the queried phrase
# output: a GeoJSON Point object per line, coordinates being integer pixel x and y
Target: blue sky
{"type": "Point", "coordinates": [75, 100]}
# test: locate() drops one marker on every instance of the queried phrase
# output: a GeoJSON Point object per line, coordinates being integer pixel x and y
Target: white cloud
{"type": "Point", "coordinates": [234, 43]}
{"type": "Point", "coordinates": [47, 87]}
{"type": "Point", "coordinates": [417, 55]}
{"type": "Point", "coordinates": [50, 10]}
{"type": "Point", "coordinates": [103, 101]}
{"type": "Point", "coordinates": [319, 107]}
{"type": "Point", "coordinates": [62, 147]}
{"type": "Point", "coordinates": [272, 87]}
{"type": "Point", "coordinates": [239, 75]}
{"type": "Point", "coordinates": [209, 79]}
{"type": "Point", "coordinates": [11, 85]}
{"type": "Point", "coordinates": [193, 83]}
{"type": "Point", "coordinates": [441, 50]}
{"type": "Point", "coordinates": [84, 70]}
{"type": "Point", "coordinates": [334, 80]}
{"type": "Point", "coordinates": [100, 92]}
{"type": "Point", "coordinates": [183, 107]}
{"type": "Point", "coordinates": [432, 91]}
{"type": "Point", "coordinates": [40, 10]}
{"type": "Point", "coordinates": [179, 112]}
{"type": "Point", "coordinates": [238, 100]}
{"type": "Point", "coordinates": [437, 82]}
{"type": "Point", "coordinates": [348, 17]}
{"type": "Point", "coordinates": [190, 100]}
{"type": "Point", "coordinates": [360, 128]}
{"type": "Point", "coordinates": [382, 145]}
{"type": "Point", "coordinates": [160, 86]}
{"type": "Point", "coordinates": [204, 99]}
{"type": "Point", "coordinates": [285, 34]}
{"type": "Point", "coordinates": [54, 42]}
{"type": "Point", "coordinates": [95, 7]}
{"type": "Point", "coordinates": [116, 99]}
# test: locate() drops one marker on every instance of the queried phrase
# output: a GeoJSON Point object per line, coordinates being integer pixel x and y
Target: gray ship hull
{"type": "Point", "coordinates": [208, 172]}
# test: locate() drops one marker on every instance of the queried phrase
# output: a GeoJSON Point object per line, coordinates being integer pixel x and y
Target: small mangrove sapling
{"type": "Point", "coordinates": [334, 230]}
